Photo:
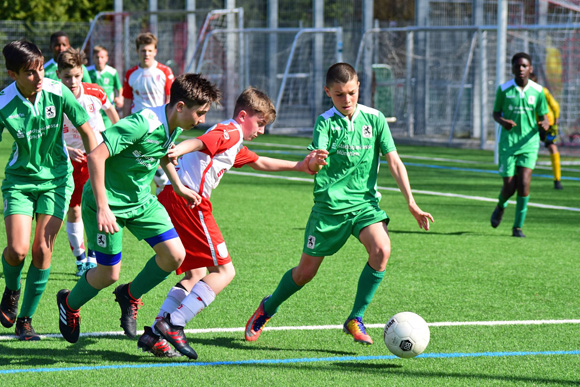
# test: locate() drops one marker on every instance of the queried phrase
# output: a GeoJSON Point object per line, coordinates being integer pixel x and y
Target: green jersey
{"type": "Point", "coordinates": [109, 80]}
{"type": "Point", "coordinates": [135, 144]}
{"type": "Point", "coordinates": [38, 152]}
{"type": "Point", "coordinates": [349, 181]}
{"type": "Point", "coordinates": [520, 106]}
{"type": "Point", "coordinates": [50, 68]}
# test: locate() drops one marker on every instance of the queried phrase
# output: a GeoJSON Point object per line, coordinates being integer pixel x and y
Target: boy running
{"type": "Point", "coordinates": [345, 200]}
{"type": "Point", "coordinates": [199, 171]}
{"type": "Point", "coordinates": [94, 100]}
{"type": "Point", "coordinates": [107, 77]}
{"type": "Point", "coordinates": [38, 181]}
{"type": "Point", "coordinates": [118, 196]}
{"type": "Point", "coordinates": [517, 104]}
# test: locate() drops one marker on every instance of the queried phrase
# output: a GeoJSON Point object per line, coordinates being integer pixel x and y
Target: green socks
{"type": "Point", "coordinates": [285, 289]}
{"type": "Point", "coordinates": [151, 276]}
{"type": "Point", "coordinates": [82, 293]}
{"type": "Point", "coordinates": [502, 202]}
{"type": "Point", "coordinates": [368, 283]}
{"type": "Point", "coordinates": [521, 210]}
{"type": "Point", "coordinates": [12, 274]}
{"type": "Point", "coordinates": [36, 280]}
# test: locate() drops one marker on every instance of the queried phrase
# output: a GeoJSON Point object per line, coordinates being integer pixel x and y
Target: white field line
{"type": "Point", "coordinates": [326, 327]}
{"type": "Point", "coordinates": [539, 164]}
{"type": "Point", "coordinates": [415, 191]}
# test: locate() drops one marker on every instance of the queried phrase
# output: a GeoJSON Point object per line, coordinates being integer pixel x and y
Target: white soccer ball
{"type": "Point", "coordinates": [406, 334]}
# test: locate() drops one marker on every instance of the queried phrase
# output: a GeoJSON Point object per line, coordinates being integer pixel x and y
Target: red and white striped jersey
{"type": "Point", "coordinates": [92, 99]}
{"type": "Point", "coordinates": [147, 87]}
{"type": "Point", "coordinates": [202, 171]}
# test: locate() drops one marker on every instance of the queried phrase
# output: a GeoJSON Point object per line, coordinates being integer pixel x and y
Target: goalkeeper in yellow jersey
{"type": "Point", "coordinates": [550, 135]}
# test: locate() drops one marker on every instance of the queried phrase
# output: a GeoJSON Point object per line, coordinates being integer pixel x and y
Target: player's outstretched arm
{"type": "Point", "coordinates": [192, 197]}
{"type": "Point", "coordinates": [399, 173]}
{"type": "Point", "coordinates": [87, 136]}
{"type": "Point", "coordinates": [75, 154]}
{"type": "Point", "coordinates": [106, 220]}
{"type": "Point", "coordinates": [278, 165]}
{"type": "Point", "coordinates": [187, 146]}
{"type": "Point", "coordinates": [543, 122]}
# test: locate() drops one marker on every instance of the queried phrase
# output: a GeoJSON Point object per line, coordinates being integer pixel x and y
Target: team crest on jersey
{"type": "Point", "coordinates": [367, 131]}
{"type": "Point", "coordinates": [91, 108]}
{"type": "Point", "coordinates": [531, 99]}
{"type": "Point", "coordinates": [50, 112]}
{"type": "Point", "coordinates": [101, 240]}
{"type": "Point", "coordinates": [106, 81]}
{"type": "Point", "coordinates": [311, 241]}
{"type": "Point", "coordinates": [226, 135]}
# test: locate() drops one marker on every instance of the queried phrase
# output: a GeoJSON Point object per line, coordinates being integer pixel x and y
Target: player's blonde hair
{"type": "Point", "coordinates": [98, 49]}
{"type": "Point", "coordinates": [146, 38]}
{"type": "Point", "coordinates": [70, 59]}
{"type": "Point", "coordinates": [255, 101]}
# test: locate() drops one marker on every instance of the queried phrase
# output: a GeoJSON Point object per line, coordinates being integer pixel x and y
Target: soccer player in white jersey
{"type": "Point", "coordinates": [204, 162]}
{"type": "Point", "coordinates": [94, 100]}
{"type": "Point", "coordinates": [147, 85]}
{"type": "Point", "coordinates": [38, 177]}
{"type": "Point", "coordinates": [346, 200]}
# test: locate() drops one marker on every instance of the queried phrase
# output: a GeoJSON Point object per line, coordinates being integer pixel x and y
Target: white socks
{"type": "Point", "coordinates": [172, 301]}
{"type": "Point", "coordinates": [76, 237]}
{"type": "Point", "coordinates": [201, 296]}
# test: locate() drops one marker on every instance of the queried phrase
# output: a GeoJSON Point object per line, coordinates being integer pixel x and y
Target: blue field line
{"type": "Point", "coordinates": [288, 361]}
{"type": "Point", "coordinates": [476, 170]}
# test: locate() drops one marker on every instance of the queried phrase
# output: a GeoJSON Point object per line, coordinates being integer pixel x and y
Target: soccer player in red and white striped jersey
{"type": "Point", "coordinates": [205, 161]}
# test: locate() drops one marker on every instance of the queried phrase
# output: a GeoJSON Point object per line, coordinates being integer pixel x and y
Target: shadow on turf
{"type": "Point", "coordinates": [430, 378]}
{"type": "Point", "coordinates": [431, 232]}
{"type": "Point", "coordinates": [241, 344]}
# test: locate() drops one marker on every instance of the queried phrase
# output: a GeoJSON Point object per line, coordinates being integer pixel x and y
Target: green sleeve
{"type": "Point", "coordinates": [125, 133]}
{"type": "Point", "coordinates": [320, 138]}
{"type": "Point", "coordinates": [86, 76]}
{"type": "Point", "coordinates": [72, 108]}
{"type": "Point", "coordinates": [499, 97]}
{"type": "Point", "coordinates": [542, 105]}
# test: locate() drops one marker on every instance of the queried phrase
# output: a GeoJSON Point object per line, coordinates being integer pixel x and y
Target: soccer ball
{"type": "Point", "coordinates": [406, 334]}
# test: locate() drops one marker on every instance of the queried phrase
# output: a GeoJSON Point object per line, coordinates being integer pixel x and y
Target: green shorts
{"type": "Point", "coordinates": [508, 162]}
{"type": "Point", "coordinates": [50, 198]}
{"type": "Point", "coordinates": [146, 221]}
{"type": "Point", "coordinates": [325, 234]}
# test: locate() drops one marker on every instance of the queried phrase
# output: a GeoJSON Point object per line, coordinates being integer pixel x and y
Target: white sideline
{"type": "Point", "coordinates": [325, 327]}
{"type": "Point", "coordinates": [415, 191]}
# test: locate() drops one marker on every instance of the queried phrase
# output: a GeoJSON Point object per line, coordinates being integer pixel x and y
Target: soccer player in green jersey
{"type": "Point", "coordinates": [346, 200]}
{"type": "Point", "coordinates": [59, 42]}
{"type": "Point", "coordinates": [517, 104]}
{"type": "Point", "coordinates": [118, 195]}
{"type": "Point", "coordinates": [108, 78]}
{"type": "Point", "coordinates": [38, 181]}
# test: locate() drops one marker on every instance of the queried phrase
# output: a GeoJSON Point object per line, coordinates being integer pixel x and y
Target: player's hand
{"type": "Point", "coordinates": [173, 154]}
{"type": "Point", "coordinates": [76, 155]}
{"type": "Point", "coordinates": [192, 197]}
{"type": "Point", "coordinates": [119, 102]}
{"type": "Point", "coordinates": [106, 221]}
{"type": "Point", "coordinates": [313, 161]}
{"type": "Point", "coordinates": [422, 217]}
{"type": "Point", "coordinates": [545, 124]}
{"type": "Point", "coordinates": [509, 124]}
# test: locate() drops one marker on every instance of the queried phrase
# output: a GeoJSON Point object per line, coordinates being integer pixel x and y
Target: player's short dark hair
{"type": "Point", "coordinates": [193, 90]}
{"type": "Point", "coordinates": [255, 101]}
{"type": "Point", "coordinates": [521, 55]}
{"type": "Point", "coordinates": [22, 54]}
{"type": "Point", "coordinates": [145, 38]}
{"type": "Point", "coordinates": [70, 58]}
{"type": "Point", "coordinates": [340, 73]}
{"type": "Point", "coordinates": [56, 35]}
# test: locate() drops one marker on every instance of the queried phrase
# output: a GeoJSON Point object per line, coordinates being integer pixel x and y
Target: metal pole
{"type": "Point", "coordinates": [502, 14]}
